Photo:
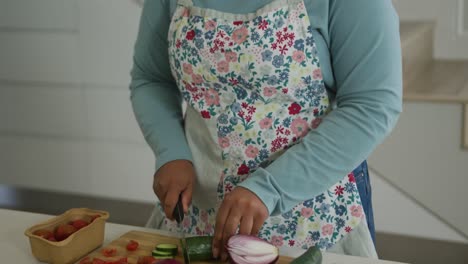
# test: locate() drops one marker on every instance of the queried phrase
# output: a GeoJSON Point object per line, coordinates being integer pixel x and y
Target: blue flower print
{"type": "Point", "coordinates": [194, 52]}
{"type": "Point", "coordinates": [281, 229]}
{"type": "Point", "coordinates": [268, 32]}
{"type": "Point", "coordinates": [309, 203]}
{"type": "Point", "coordinates": [339, 223]}
{"type": "Point", "coordinates": [185, 44]}
{"type": "Point", "coordinates": [217, 86]}
{"type": "Point", "coordinates": [278, 61]}
{"type": "Point", "coordinates": [287, 122]}
{"type": "Point", "coordinates": [267, 55]}
{"type": "Point", "coordinates": [263, 154]}
{"type": "Point", "coordinates": [184, 29]}
{"type": "Point", "coordinates": [309, 41]}
{"type": "Point", "coordinates": [320, 198]}
{"type": "Point", "coordinates": [286, 215]}
{"type": "Point", "coordinates": [292, 226]}
{"type": "Point", "coordinates": [198, 33]}
{"type": "Point", "coordinates": [196, 19]}
{"type": "Point", "coordinates": [236, 107]}
{"type": "Point", "coordinates": [349, 187]}
{"type": "Point", "coordinates": [340, 210]}
{"type": "Point", "coordinates": [254, 96]}
{"type": "Point", "coordinates": [323, 243]}
{"type": "Point", "coordinates": [252, 164]}
{"type": "Point", "coordinates": [299, 44]}
{"type": "Point", "coordinates": [240, 93]}
{"type": "Point", "coordinates": [199, 43]}
{"type": "Point", "coordinates": [307, 80]}
{"type": "Point", "coordinates": [195, 210]}
{"type": "Point", "coordinates": [272, 80]}
{"type": "Point", "coordinates": [283, 75]}
{"type": "Point", "coordinates": [279, 23]}
{"type": "Point", "coordinates": [257, 20]}
{"type": "Point", "coordinates": [223, 119]}
{"type": "Point", "coordinates": [309, 29]}
{"type": "Point", "coordinates": [255, 36]}
{"type": "Point", "coordinates": [233, 120]}
{"type": "Point", "coordinates": [325, 208]}
{"type": "Point", "coordinates": [222, 79]}
{"type": "Point", "coordinates": [209, 35]}
{"type": "Point", "coordinates": [315, 235]}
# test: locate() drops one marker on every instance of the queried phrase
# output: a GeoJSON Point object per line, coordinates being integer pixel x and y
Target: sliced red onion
{"type": "Point", "coordinates": [245, 249]}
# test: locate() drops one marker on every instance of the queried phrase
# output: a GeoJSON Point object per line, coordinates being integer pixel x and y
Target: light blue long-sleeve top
{"type": "Point", "coordinates": [360, 56]}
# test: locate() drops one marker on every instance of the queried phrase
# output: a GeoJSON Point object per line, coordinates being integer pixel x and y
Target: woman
{"type": "Point", "coordinates": [284, 99]}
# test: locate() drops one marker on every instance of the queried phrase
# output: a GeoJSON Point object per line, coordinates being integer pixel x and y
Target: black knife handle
{"type": "Point", "coordinates": [178, 212]}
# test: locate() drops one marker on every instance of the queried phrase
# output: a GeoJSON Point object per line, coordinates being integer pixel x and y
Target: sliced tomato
{"type": "Point", "coordinates": [132, 245]}
{"type": "Point", "coordinates": [98, 261]}
{"type": "Point", "coordinates": [109, 252]}
{"type": "Point", "coordinates": [43, 233]}
{"type": "Point", "coordinates": [78, 224]}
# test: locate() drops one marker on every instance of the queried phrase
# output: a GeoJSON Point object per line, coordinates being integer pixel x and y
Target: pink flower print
{"type": "Point", "coordinates": [266, 123]}
{"type": "Point", "coordinates": [307, 212]}
{"type": "Point", "coordinates": [210, 25]}
{"type": "Point", "coordinates": [299, 127]}
{"type": "Point", "coordinates": [186, 12]}
{"type": "Point", "coordinates": [316, 123]}
{"type": "Point", "coordinates": [269, 91]}
{"type": "Point", "coordinates": [298, 56]}
{"type": "Point", "coordinates": [317, 74]}
{"type": "Point", "coordinates": [187, 68]}
{"type": "Point", "coordinates": [197, 78]}
{"type": "Point", "coordinates": [223, 66]}
{"type": "Point", "coordinates": [327, 230]}
{"type": "Point", "coordinates": [208, 229]}
{"type": "Point", "coordinates": [186, 222]}
{"type": "Point", "coordinates": [211, 97]}
{"type": "Point", "coordinates": [277, 240]}
{"type": "Point", "coordinates": [356, 211]}
{"type": "Point", "coordinates": [204, 216]}
{"type": "Point", "coordinates": [251, 152]}
{"type": "Point", "coordinates": [224, 142]}
{"type": "Point", "coordinates": [230, 56]}
{"type": "Point", "coordinates": [240, 35]}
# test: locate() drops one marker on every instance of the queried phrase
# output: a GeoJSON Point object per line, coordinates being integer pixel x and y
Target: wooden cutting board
{"type": "Point", "coordinates": [148, 242]}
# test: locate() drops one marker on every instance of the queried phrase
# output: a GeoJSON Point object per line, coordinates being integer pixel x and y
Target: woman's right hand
{"type": "Point", "coordinates": [174, 178]}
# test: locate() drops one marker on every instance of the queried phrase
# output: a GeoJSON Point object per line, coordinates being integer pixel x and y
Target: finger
{"type": "Point", "coordinates": [230, 228]}
{"type": "Point", "coordinates": [170, 202]}
{"type": "Point", "coordinates": [257, 225]}
{"type": "Point", "coordinates": [221, 217]}
{"type": "Point", "coordinates": [246, 225]}
{"type": "Point", "coordinates": [187, 198]}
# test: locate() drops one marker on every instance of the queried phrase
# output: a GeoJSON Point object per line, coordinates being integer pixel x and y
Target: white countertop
{"type": "Point", "coordinates": [14, 245]}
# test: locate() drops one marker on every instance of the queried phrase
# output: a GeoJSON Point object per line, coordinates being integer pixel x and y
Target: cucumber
{"type": "Point", "coordinates": [171, 248]}
{"type": "Point", "coordinates": [198, 248]}
{"type": "Point", "coordinates": [156, 253]}
{"type": "Point", "coordinates": [313, 255]}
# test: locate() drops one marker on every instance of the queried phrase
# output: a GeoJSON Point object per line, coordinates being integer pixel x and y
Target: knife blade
{"type": "Point", "coordinates": [178, 215]}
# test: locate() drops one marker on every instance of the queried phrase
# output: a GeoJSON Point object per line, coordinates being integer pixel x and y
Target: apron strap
{"type": "Point", "coordinates": [186, 3]}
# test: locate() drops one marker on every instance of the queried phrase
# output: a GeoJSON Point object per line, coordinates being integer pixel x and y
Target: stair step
{"type": "Point", "coordinates": [417, 40]}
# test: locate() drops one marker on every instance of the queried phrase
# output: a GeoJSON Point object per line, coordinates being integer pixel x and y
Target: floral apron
{"type": "Point", "coordinates": [253, 87]}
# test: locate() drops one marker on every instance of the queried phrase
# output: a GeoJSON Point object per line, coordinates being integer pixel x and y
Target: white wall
{"type": "Point", "coordinates": [450, 43]}
{"type": "Point", "coordinates": [65, 117]}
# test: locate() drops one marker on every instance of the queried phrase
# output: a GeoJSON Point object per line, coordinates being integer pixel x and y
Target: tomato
{"type": "Point", "coordinates": [64, 231]}
{"type": "Point", "coordinates": [94, 217]}
{"type": "Point", "coordinates": [146, 260]}
{"type": "Point", "coordinates": [98, 261]}
{"type": "Point", "coordinates": [78, 224]}
{"type": "Point", "coordinates": [109, 252]}
{"type": "Point", "coordinates": [43, 233]}
{"type": "Point", "coordinates": [52, 238]}
{"type": "Point", "coordinates": [132, 245]}
{"type": "Point", "coordinates": [86, 260]}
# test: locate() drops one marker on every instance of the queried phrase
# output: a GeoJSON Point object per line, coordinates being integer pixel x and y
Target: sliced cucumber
{"type": "Point", "coordinates": [171, 248]}
{"type": "Point", "coordinates": [313, 255]}
{"type": "Point", "coordinates": [163, 257]}
{"type": "Point", "coordinates": [157, 253]}
{"type": "Point", "coordinates": [198, 248]}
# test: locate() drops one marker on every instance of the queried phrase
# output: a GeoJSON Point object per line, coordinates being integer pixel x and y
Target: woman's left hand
{"type": "Point", "coordinates": [240, 208]}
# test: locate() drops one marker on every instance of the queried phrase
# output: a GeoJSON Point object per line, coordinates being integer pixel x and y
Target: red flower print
{"type": "Point", "coordinates": [287, 132]}
{"type": "Point", "coordinates": [228, 188]}
{"type": "Point", "coordinates": [291, 243]}
{"type": "Point", "coordinates": [238, 23]}
{"type": "Point", "coordinates": [316, 111]}
{"type": "Point", "coordinates": [211, 97]}
{"type": "Point", "coordinates": [190, 35]}
{"type": "Point", "coordinates": [245, 105]}
{"type": "Point", "coordinates": [263, 25]}
{"type": "Point", "coordinates": [339, 190]}
{"type": "Point", "coordinates": [285, 90]}
{"type": "Point", "coordinates": [205, 114]}
{"type": "Point", "coordinates": [294, 109]}
{"type": "Point", "coordinates": [243, 170]}
{"type": "Point", "coordinates": [248, 118]}
{"type": "Point", "coordinates": [351, 177]}
{"type": "Point", "coordinates": [251, 109]}
{"type": "Point", "coordinates": [283, 49]}
{"type": "Point", "coordinates": [240, 35]}
{"type": "Point", "coordinates": [348, 229]}
{"type": "Point", "coordinates": [274, 46]}
{"type": "Point", "coordinates": [178, 44]}
{"type": "Point", "coordinates": [316, 123]}
{"type": "Point", "coordinates": [280, 130]}
{"type": "Point", "coordinates": [187, 68]}
{"type": "Point", "coordinates": [233, 81]}
{"type": "Point", "coordinates": [241, 113]}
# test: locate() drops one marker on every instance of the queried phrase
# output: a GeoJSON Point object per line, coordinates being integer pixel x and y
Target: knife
{"type": "Point", "coordinates": [178, 215]}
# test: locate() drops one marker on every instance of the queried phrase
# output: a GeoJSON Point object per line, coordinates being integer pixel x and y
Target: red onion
{"type": "Point", "coordinates": [168, 261]}
{"type": "Point", "coordinates": [245, 249]}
